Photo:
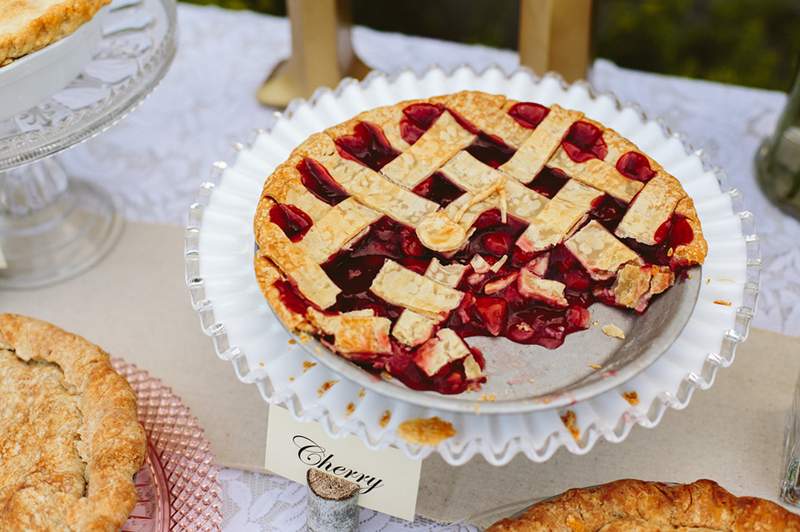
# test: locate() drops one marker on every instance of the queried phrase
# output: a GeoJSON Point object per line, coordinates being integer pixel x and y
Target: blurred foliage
{"type": "Point", "coordinates": [747, 42]}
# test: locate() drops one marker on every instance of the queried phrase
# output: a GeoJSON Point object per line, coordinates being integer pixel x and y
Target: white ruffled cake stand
{"type": "Point", "coordinates": [219, 273]}
{"type": "Point", "coordinates": [53, 226]}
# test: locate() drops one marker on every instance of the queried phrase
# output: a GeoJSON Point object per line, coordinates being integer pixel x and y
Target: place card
{"type": "Point", "coordinates": [389, 480]}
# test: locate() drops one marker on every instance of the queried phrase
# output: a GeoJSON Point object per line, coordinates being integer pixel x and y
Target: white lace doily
{"type": "Point", "coordinates": [156, 158]}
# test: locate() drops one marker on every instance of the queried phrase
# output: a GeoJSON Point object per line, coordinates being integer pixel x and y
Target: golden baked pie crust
{"type": "Point", "coordinates": [29, 25]}
{"type": "Point", "coordinates": [639, 506]}
{"type": "Point", "coordinates": [70, 440]}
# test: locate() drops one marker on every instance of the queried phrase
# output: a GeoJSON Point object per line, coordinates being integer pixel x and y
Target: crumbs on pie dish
{"type": "Point", "coordinates": [397, 234]}
{"type": "Point", "coordinates": [70, 439]}
{"type": "Point", "coordinates": [613, 331]}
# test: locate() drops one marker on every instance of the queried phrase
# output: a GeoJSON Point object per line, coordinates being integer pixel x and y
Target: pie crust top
{"type": "Point", "coordinates": [70, 441]}
{"type": "Point", "coordinates": [639, 506]}
{"type": "Point", "coordinates": [29, 25]}
{"type": "Point", "coordinates": [395, 235]}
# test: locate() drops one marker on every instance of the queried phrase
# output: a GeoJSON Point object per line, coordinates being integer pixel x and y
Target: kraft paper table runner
{"type": "Point", "coordinates": [135, 305]}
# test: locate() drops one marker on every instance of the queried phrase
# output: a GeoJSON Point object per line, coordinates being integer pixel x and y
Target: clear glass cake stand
{"type": "Point", "coordinates": [54, 225]}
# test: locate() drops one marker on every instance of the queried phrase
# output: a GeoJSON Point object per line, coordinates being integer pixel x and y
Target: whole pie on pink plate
{"type": "Point", "coordinates": [394, 236]}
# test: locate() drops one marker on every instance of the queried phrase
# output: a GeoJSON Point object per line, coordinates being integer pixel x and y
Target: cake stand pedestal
{"type": "Point", "coordinates": [54, 225]}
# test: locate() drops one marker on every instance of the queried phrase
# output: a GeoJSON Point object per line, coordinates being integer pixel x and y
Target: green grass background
{"type": "Point", "coordinates": [746, 42]}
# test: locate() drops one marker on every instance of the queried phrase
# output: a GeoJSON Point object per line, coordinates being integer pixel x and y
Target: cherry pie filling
{"type": "Point", "coordinates": [492, 304]}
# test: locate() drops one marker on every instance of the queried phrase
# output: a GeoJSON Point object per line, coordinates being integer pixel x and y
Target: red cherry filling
{"type": "Point", "coordinates": [548, 182]}
{"type": "Point", "coordinates": [672, 233]}
{"type": "Point", "coordinates": [388, 238]}
{"type": "Point", "coordinates": [366, 300]}
{"type": "Point", "coordinates": [528, 114]}
{"type": "Point", "coordinates": [492, 237]}
{"type": "Point", "coordinates": [490, 150]}
{"type": "Point", "coordinates": [522, 320]}
{"type": "Point", "coordinates": [634, 165]}
{"type": "Point", "coordinates": [294, 222]}
{"type": "Point", "coordinates": [291, 297]}
{"type": "Point", "coordinates": [450, 379]}
{"type": "Point", "coordinates": [439, 189]}
{"type": "Point", "coordinates": [584, 141]}
{"type": "Point", "coordinates": [417, 119]}
{"type": "Point", "coordinates": [545, 326]}
{"type": "Point", "coordinates": [503, 311]}
{"type": "Point", "coordinates": [367, 145]}
{"type": "Point", "coordinates": [681, 232]}
{"type": "Point", "coordinates": [493, 312]}
{"type": "Point", "coordinates": [608, 211]}
{"type": "Point", "coordinates": [354, 269]}
{"type": "Point", "coordinates": [353, 274]}
{"type": "Point", "coordinates": [319, 182]}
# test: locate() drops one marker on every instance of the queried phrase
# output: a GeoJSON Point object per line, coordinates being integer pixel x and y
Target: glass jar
{"type": "Point", "coordinates": [778, 158]}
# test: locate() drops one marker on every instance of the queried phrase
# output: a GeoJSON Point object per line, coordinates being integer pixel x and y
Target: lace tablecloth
{"type": "Point", "coordinates": [155, 159]}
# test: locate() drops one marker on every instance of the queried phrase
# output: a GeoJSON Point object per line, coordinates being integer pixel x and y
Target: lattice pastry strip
{"type": "Point", "coordinates": [358, 331]}
{"type": "Point", "coordinates": [443, 140]}
{"type": "Point", "coordinates": [340, 225]}
{"type": "Point", "coordinates": [377, 192]}
{"type": "Point", "coordinates": [408, 289]}
{"type": "Point", "coordinates": [650, 209]}
{"type": "Point", "coordinates": [309, 277]}
{"type": "Point", "coordinates": [559, 217]}
{"type": "Point", "coordinates": [413, 328]}
{"type": "Point", "coordinates": [474, 176]}
{"type": "Point", "coordinates": [597, 174]}
{"type": "Point", "coordinates": [540, 146]}
{"type": "Point", "coordinates": [599, 251]}
{"type": "Point", "coordinates": [489, 113]}
{"type": "Point", "coordinates": [286, 187]}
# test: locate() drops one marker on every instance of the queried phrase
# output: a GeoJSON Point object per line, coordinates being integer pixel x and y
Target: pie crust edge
{"type": "Point", "coordinates": [114, 440]}
{"type": "Point", "coordinates": [630, 504]}
{"type": "Point", "coordinates": [55, 23]}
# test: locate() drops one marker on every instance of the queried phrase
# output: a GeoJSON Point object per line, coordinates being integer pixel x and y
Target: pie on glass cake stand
{"type": "Point", "coordinates": [316, 384]}
{"type": "Point", "coordinates": [52, 225]}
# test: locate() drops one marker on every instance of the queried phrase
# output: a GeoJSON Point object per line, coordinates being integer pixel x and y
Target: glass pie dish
{"type": "Point", "coordinates": [315, 386]}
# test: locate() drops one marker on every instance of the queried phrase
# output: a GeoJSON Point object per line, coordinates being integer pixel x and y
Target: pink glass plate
{"type": "Point", "coordinates": [177, 486]}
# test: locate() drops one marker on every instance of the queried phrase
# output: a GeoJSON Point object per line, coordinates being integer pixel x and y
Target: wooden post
{"type": "Point", "coordinates": [322, 52]}
{"type": "Point", "coordinates": [554, 35]}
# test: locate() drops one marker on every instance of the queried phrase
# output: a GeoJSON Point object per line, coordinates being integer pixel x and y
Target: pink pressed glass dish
{"type": "Point", "coordinates": [177, 486]}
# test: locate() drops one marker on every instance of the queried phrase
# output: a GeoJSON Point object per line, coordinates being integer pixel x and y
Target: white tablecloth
{"type": "Point", "coordinates": [155, 159]}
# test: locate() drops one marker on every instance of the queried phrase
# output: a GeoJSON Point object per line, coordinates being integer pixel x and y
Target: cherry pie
{"type": "Point", "coordinates": [397, 234]}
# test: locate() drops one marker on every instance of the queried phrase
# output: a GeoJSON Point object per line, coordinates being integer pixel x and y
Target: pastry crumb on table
{"type": "Point", "coordinates": [570, 420]}
{"type": "Point", "coordinates": [428, 431]}
{"type": "Point", "coordinates": [632, 397]}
